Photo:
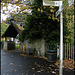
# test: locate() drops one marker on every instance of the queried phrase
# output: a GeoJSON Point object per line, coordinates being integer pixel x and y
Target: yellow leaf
{"type": "Point", "coordinates": [21, 5]}
{"type": "Point", "coordinates": [44, 7]}
{"type": "Point", "coordinates": [38, 9]}
{"type": "Point", "coordinates": [51, 10]}
{"type": "Point", "coordinates": [58, 20]}
{"type": "Point", "coordinates": [49, 17]}
{"type": "Point", "coordinates": [17, 4]}
{"type": "Point", "coordinates": [51, 7]}
{"type": "Point", "coordinates": [53, 17]}
{"type": "Point", "coordinates": [3, 11]}
{"type": "Point", "coordinates": [33, 68]}
{"type": "Point", "coordinates": [41, 10]}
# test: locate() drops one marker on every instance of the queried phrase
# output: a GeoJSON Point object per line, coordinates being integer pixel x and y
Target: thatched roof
{"type": "Point", "coordinates": [13, 30]}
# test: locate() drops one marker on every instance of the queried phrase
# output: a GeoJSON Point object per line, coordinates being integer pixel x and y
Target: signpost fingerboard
{"type": "Point", "coordinates": [51, 2]}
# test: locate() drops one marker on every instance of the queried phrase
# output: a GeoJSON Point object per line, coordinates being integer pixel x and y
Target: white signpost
{"type": "Point", "coordinates": [59, 11]}
{"type": "Point", "coordinates": [58, 3]}
{"type": "Point", "coordinates": [51, 3]}
{"type": "Point", "coordinates": [70, 2]}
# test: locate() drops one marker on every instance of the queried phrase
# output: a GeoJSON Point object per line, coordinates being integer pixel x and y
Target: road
{"type": "Point", "coordinates": [12, 63]}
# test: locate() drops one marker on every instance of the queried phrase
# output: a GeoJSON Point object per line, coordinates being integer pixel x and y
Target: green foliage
{"type": "Point", "coordinates": [38, 25]}
{"type": "Point", "coordinates": [38, 3]}
{"type": "Point", "coordinates": [69, 25]}
{"type": "Point", "coordinates": [17, 46]}
{"type": "Point", "coordinates": [1, 43]}
{"type": "Point", "coordinates": [3, 28]}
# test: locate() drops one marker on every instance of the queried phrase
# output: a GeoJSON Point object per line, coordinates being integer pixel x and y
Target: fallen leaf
{"type": "Point", "coordinates": [42, 69]}
{"type": "Point", "coordinates": [38, 71]}
{"type": "Point", "coordinates": [45, 58]}
{"type": "Point", "coordinates": [49, 67]}
{"type": "Point", "coordinates": [37, 64]}
{"type": "Point", "coordinates": [53, 72]}
{"type": "Point", "coordinates": [33, 68]}
{"type": "Point", "coordinates": [69, 64]}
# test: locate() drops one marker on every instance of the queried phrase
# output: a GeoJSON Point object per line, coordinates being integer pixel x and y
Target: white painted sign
{"type": "Point", "coordinates": [51, 2]}
{"type": "Point", "coordinates": [58, 12]}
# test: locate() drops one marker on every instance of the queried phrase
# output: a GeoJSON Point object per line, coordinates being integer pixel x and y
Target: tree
{"type": "Point", "coordinates": [41, 24]}
{"type": "Point", "coordinates": [3, 28]}
{"type": "Point", "coordinates": [69, 24]}
{"type": "Point", "coordinates": [19, 18]}
{"type": "Point", "coordinates": [19, 14]}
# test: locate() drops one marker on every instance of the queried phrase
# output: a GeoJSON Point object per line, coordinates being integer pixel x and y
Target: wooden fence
{"type": "Point", "coordinates": [68, 50]}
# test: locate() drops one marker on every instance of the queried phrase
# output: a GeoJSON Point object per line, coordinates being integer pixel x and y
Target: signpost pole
{"type": "Point", "coordinates": [61, 38]}
{"type": "Point", "coordinates": [60, 4]}
{"type": "Point", "coordinates": [61, 43]}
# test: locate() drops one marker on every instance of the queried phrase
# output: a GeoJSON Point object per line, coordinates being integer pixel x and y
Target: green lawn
{"type": "Point", "coordinates": [17, 46]}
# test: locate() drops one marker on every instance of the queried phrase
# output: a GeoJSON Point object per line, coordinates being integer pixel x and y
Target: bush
{"type": "Point", "coordinates": [1, 44]}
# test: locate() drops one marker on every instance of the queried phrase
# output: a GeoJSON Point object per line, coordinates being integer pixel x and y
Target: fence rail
{"type": "Point", "coordinates": [68, 50]}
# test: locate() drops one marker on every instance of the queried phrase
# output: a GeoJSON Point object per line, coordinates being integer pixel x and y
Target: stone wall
{"type": "Point", "coordinates": [38, 45]}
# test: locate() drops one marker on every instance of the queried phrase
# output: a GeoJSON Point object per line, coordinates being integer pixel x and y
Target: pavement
{"type": "Point", "coordinates": [12, 63]}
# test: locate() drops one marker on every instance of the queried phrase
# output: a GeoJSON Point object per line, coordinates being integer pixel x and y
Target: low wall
{"type": "Point", "coordinates": [38, 45]}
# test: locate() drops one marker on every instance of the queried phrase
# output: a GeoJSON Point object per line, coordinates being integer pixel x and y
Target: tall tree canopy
{"type": "Point", "coordinates": [41, 24]}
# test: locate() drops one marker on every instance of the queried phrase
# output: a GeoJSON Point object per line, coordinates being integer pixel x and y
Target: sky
{"type": "Point", "coordinates": [8, 10]}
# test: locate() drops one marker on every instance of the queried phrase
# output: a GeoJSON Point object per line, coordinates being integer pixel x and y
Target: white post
{"type": "Point", "coordinates": [61, 43]}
